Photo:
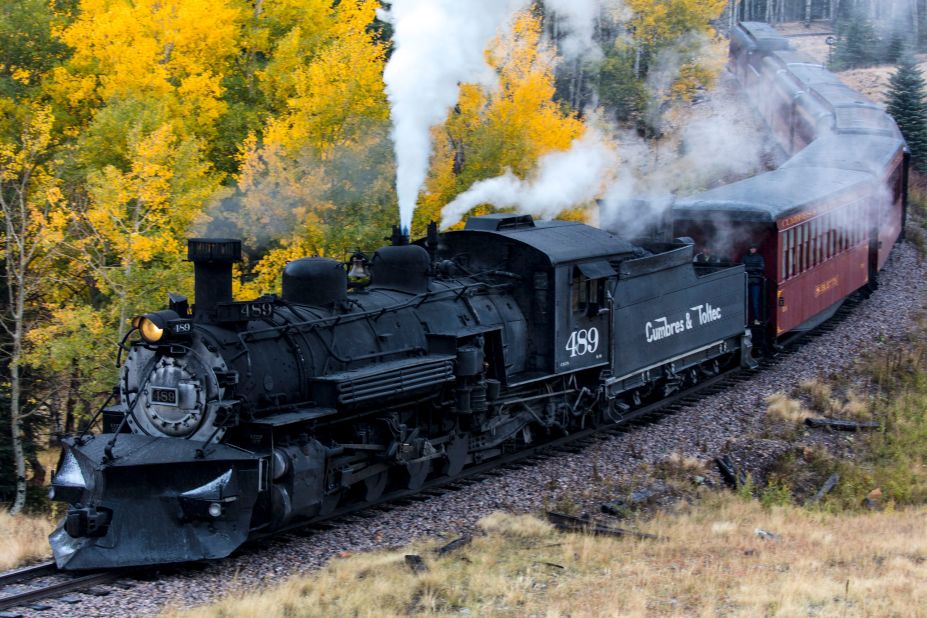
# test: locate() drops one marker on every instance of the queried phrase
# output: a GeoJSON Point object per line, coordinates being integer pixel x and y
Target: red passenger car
{"type": "Point", "coordinates": [813, 231]}
{"type": "Point", "coordinates": [826, 221]}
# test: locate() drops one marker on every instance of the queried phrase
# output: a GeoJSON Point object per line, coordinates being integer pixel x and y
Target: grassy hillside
{"type": "Point", "coordinates": [713, 558]}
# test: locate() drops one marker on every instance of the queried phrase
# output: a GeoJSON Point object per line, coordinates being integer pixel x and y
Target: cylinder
{"type": "Point", "coordinates": [469, 361]}
{"type": "Point", "coordinates": [493, 389]}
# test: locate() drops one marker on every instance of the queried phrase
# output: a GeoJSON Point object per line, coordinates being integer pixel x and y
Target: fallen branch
{"type": "Point", "coordinates": [825, 489]}
{"type": "Point", "coordinates": [729, 472]}
{"type": "Point", "coordinates": [568, 523]}
{"type": "Point", "coordinates": [455, 544]}
{"type": "Point", "coordinates": [840, 424]}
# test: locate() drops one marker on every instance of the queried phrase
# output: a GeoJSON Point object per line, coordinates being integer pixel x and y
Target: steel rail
{"type": "Point", "coordinates": [80, 582]}
{"type": "Point", "coordinates": [30, 572]}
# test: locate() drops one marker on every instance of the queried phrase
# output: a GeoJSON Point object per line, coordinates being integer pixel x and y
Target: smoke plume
{"type": "Point", "coordinates": [577, 19]}
{"type": "Point", "coordinates": [438, 45]}
{"type": "Point", "coordinates": [563, 179]}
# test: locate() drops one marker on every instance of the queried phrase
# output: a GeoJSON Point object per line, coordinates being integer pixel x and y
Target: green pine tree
{"type": "Point", "coordinates": [906, 104]}
{"type": "Point", "coordinates": [857, 45]}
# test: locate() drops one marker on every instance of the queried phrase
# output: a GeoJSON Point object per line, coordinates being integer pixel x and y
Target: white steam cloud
{"type": "Point", "coordinates": [577, 18]}
{"type": "Point", "coordinates": [563, 179]}
{"type": "Point", "coordinates": [438, 45]}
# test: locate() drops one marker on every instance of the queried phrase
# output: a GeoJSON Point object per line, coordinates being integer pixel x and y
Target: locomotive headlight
{"type": "Point", "coordinates": [215, 509]}
{"type": "Point", "coordinates": [150, 331]}
{"type": "Point", "coordinates": [152, 326]}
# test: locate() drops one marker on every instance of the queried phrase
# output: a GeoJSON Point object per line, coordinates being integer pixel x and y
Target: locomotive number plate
{"type": "Point", "coordinates": [255, 310]}
{"type": "Point", "coordinates": [242, 312]}
{"type": "Point", "coordinates": [164, 396]}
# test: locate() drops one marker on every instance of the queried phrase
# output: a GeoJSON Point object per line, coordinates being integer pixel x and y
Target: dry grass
{"type": "Point", "coordinates": [783, 407]}
{"type": "Point", "coordinates": [710, 561]}
{"type": "Point", "coordinates": [23, 539]}
{"type": "Point", "coordinates": [684, 464]}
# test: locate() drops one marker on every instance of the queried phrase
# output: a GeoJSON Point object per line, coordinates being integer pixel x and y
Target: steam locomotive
{"type": "Point", "coordinates": [238, 418]}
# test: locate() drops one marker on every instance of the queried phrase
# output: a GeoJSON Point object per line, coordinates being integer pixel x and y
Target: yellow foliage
{"type": "Point", "coordinates": [656, 22]}
{"type": "Point", "coordinates": [680, 27]}
{"type": "Point", "coordinates": [337, 92]}
{"type": "Point", "coordinates": [505, 128]}
{"type": "Point", "coordinates": [313, 161]}
{"type": "Point", "coordinates": [178, 49]}
{"type": "Point", "coordinates": [25, 177]}
{"type": "Point", "coordinates": [139, 218]}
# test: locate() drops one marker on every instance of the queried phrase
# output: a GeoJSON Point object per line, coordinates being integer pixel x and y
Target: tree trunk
{"type": "Point", "coordinates": [916, 24]}
{"type": "Point", "coordinates": [73, 386]}
{"type": "Point", "coordinates": [24, 226]}
{"type": "Point", "coordinates": [38, 470]}
{"type": "Point", "coordinates": [19, 456]}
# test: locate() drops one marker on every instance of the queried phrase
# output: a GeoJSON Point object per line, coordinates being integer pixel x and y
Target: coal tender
{"type": "Point", "coordinates": [235, 419]}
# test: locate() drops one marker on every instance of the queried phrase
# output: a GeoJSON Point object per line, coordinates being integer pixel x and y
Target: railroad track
{"type": "Point", "coordinates": [29, 586]}
{"type": "Point", "coordinates": [573, 443]}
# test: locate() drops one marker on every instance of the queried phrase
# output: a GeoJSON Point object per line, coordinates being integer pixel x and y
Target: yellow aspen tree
{"type": "Point", "coordinates": [32, 207]}
{"type": "Point", "coordinates": [176, 51]}
{"type": "Point", "coordinates": [504, 128]}
{"type": "Point", "coordinates": [335, 94]}
{"type": "Point", "coordinates": [134, 222]}
{"type": "Point", "coordinates": [321, 170]}
{"type": "Point", "coordinates": [683, 25]}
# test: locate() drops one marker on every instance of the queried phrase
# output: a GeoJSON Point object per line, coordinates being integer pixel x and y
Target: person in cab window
{"type": "Point", "coordinates": [755, 266]}
{"type": "Point", "coordinates": [707, 257]}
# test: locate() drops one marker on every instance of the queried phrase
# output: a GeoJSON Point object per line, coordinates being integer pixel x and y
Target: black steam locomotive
{"type": "Point", "coordinates": [245, 417]}
{"type": "Point", "coordinates": [239, 418]}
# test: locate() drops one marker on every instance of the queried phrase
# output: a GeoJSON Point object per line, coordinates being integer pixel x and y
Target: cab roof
{"type": "Point", "coordinates": [560, 241]}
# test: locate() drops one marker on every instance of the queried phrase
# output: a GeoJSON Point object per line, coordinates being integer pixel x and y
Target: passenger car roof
{"type": "Point", "coordinates": [848, 151]}
{"type": "Point", "coordinates": [771, 196]}
{"type": "Point", "coordinates": [765, 36]}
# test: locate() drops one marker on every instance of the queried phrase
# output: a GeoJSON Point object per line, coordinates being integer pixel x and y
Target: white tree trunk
{"type": "Point", "coordinates": [916, 23]}
{"type": "Point", "coordinates": [19, 456]}
{"type": "Point", "coordinates": [22, 251]}
{"type": "Point", "coordinates": [15, 273]}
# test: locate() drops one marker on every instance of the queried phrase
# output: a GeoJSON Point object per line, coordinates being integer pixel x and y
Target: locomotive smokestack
{"type": "Point", "coordinates": [212, 268]}
{"type": "Point", "coordinates": [399, 237]}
